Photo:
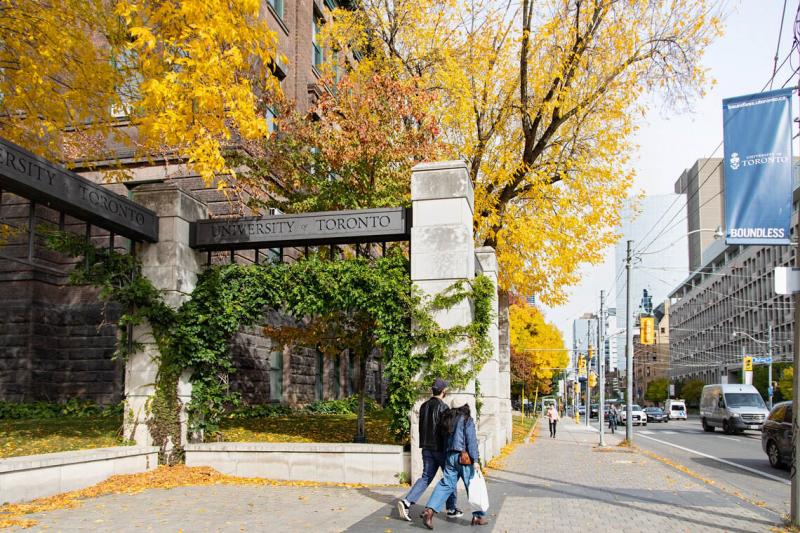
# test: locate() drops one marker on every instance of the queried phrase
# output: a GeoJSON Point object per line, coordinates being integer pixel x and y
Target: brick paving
{"type": "Point", "coordinates": [561, 484]}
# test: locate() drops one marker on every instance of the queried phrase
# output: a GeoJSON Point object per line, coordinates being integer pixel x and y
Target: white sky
{"type": "Point", "coordinates": [741, 62]}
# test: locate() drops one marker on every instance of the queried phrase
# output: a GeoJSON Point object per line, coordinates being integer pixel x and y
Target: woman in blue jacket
{"type": "Point", "coordinates": [458, 428]}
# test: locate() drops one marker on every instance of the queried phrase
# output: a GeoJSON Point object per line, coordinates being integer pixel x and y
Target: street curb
{"type": "Point", "coordinates": [527, 439]}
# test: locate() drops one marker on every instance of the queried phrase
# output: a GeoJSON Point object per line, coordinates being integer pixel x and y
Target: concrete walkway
{"type": "Point", "coordinates": [562, 484]}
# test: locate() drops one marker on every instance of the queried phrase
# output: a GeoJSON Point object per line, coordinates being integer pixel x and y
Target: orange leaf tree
{"type": "Point", "coordinates": [354, 150]}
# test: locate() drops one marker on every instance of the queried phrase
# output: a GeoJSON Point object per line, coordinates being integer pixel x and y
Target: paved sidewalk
{"type": "Point", "coordinates": [561, 484]}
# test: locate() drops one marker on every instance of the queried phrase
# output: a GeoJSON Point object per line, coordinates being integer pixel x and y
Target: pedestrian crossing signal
{"type": "Point", "coordinates": [647, 326]}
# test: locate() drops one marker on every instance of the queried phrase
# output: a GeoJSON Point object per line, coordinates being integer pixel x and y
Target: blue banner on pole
{"type": "Point", "coordinates": [757, 130]}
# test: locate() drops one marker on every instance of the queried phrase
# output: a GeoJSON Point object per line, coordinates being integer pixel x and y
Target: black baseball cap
{"type": "Point", "coordinates": [439, 384]}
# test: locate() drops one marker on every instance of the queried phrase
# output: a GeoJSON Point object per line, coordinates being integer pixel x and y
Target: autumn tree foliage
{"type": "Point", "coordinates": [538, 353]}
{"type": "Point", "coordinates": [188, 76]}
{"type": "Point", "coordinates": [354, 149]}
{"type": "Point", "coordinates": [540, 99]}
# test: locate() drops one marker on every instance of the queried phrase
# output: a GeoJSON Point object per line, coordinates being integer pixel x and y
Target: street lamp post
{"type": "Point", "coordinates": [768, 342]}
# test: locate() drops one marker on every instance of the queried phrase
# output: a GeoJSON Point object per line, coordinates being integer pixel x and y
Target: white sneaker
{"type": "Point", "coordinates": [402, 509]}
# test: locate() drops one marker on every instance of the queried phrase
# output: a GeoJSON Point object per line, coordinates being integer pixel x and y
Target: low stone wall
{"type": "Point", "coordinates": [379, 464]}
{"type": "Point", "coordinates": [35, 476]}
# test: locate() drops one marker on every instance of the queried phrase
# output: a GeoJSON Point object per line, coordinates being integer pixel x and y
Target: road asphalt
{"type": "Point", "coordinates": [734, 462]}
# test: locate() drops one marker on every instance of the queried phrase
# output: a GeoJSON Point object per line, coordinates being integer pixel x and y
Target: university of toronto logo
{"type": "Point", "coordinates": [735, 161]}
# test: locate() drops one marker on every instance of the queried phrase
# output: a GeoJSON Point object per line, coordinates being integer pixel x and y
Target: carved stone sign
{"type": "Point", "coordinates": [306, 229]}
{"type": "Point", "coordinates": [39, 180]}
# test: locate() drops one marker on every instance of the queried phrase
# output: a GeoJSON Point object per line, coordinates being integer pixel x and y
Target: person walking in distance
{"type": "Point", "coordinates": [433, 456]}
{"type": "Point", "coordinates": [461, 461]}
{"type": "Point", "coordinates": [612, 419]}
{"type": "Point", "coordinates": [552, 419]}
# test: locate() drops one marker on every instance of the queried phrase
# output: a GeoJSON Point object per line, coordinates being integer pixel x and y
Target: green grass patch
{"type": "Point", "coordinates": [308, 428]}
{"type": "Point", "coordinates": [521, 426]}
{"type": "Point", "coordinates": [35, 436]}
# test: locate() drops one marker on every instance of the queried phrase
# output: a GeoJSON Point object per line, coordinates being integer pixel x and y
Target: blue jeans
{"type": "Point", "coordinates": [446, 488]}
{"type": "Point", "coordinates": [432, 461]}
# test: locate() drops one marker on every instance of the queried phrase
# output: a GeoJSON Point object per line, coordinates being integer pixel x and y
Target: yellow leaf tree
{"type": "Point", "coordinates": [538, 353]}
{"type": "Point", "coordinates": [190, 77]}
{"type": "Point", "coordinates": [540, 99]}
{"type": "Point", "coordinates": [53, 74]}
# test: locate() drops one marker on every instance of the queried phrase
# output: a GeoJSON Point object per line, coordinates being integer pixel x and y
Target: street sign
{"type": "Point", "coordinates": [748, 364]}
{"type": "Point", "coordinates": [647, 333]}
{"type": "Point", "coordinates": [787, 280]}
{"type": "Point", "coordinates": [762, 360]}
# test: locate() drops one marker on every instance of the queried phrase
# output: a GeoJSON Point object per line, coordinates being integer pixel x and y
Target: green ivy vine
{"type": "Point", "coordinates": [229, 297]}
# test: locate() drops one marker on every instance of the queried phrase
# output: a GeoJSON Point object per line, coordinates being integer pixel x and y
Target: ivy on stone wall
{"type": "Point", "coordinates": [229, 297]}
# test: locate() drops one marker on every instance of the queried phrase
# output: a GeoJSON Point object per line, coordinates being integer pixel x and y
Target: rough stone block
{"type": "Point", "coordinates": [441, 180]}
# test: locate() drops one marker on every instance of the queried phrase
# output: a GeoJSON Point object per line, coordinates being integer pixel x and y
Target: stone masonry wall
{"type": "Point", "coordinates": [57, 343]}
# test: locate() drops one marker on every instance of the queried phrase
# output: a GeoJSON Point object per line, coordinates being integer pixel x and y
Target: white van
{"type": "Point", "coordinates": [676, 410]}
{"type": "Point", "coordinates": [734, 408]}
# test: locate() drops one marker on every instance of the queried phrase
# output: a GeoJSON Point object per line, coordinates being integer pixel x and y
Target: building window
{"type": "Point", "coordinates": [277, 7]}
{"type": "Point", "coordinates": [276, 376]}
{"type": "Point", "coordinates": [318, 56]}
{"type": "Point", "coordinates": [271, 113]}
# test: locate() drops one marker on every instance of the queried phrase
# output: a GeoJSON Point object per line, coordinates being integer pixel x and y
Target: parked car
{"type": "Point", "coordinates": [734, 408]}
{"type": "Point", "coordinates": [582, 410]}
{"type": "Point", "coordinates": [594, 412]}
{"type": "Point", "coordinates": [656, 414]}
{"type": "Point", "coordinates": [676, 409]}
{"type": "Point", "coordinates": [776, 435]}
{"type": "Point", "coordinates": [638, 416]}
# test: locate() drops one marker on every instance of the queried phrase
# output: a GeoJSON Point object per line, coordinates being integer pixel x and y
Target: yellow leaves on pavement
{"type": "Point", "coordinates": [163, 477]}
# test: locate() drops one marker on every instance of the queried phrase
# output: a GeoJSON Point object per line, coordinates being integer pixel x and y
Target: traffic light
{"type": "Point", "coordinates": [748, 364]}
{"type": "Point", "coordinates": [647, 334]}
{"type": "Point", "coordinates": [591, 351]}
{"type": "Point", "coordinates": [592, 379]}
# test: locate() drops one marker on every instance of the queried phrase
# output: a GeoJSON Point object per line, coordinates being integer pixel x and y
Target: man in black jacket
{"type": "Point", "coordinates": [433, 456]}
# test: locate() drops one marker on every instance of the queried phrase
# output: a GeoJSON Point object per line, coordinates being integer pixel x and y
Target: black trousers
{"type": "Point", "coordinates": [553, 424]}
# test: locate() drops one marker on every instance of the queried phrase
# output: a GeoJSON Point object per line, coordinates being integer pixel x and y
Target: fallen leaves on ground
{"type": "Point", "coordinates": [308, 428]}
{"type": "Point", "coordinates": [163, 477]}
{"type": "Point", "coordinates": [50, 435]}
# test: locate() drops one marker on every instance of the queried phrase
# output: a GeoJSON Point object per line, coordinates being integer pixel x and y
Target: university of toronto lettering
{"type": "Point", "coordinates": [40, 181]}
{"type": "Point", "coordinates": [366, 225]}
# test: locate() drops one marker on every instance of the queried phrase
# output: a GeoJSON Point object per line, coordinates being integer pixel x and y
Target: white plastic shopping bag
{"type": "Point", "coordinates": [478, 495]}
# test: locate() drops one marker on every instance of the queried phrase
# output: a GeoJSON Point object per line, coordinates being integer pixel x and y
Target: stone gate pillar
{"type": "Point", "coordinates": [172, 266]}
{"type": "Point", "coordinates": [491, 430]}
{"type": "Point", "coordinates": [442, 252]}
{"type": "Point", "coordinates": [504, 366]}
